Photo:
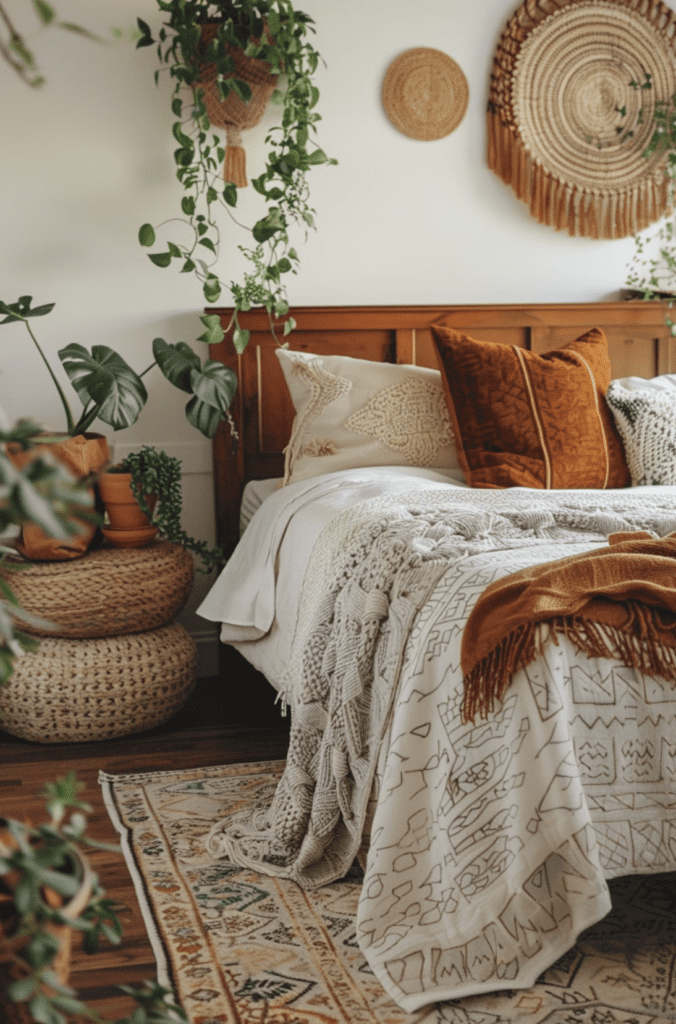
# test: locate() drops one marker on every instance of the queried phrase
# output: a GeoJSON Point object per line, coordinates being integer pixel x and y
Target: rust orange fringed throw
{"type": "Point", "coordinates": [615, 602]}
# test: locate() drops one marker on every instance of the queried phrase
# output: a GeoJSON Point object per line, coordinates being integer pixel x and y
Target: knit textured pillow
{"type": "Point", "coordinates": [646, 420]}
{"type": "Point", "coordinates": [527, 420]}
{"type": "Point", "coordinates": [356, 412]}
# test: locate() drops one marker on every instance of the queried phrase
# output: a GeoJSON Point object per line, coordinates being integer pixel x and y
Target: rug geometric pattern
{"type": "Point", "coordinates": [242, 948]}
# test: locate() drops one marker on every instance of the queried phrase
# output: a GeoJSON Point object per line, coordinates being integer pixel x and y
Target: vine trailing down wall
{"type": "Point", "coordinates": [226, 57]}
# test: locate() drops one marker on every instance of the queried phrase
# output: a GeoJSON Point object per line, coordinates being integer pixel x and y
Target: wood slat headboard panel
{"type": "Point", "coordinates": [639, 344]}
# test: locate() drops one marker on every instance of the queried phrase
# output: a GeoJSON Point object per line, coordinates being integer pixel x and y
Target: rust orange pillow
{"type": "Point", "coordinates": [527, 420]}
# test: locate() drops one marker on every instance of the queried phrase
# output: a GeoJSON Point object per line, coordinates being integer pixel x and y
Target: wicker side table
{"type": "Point", "coordinates": [117, 663]}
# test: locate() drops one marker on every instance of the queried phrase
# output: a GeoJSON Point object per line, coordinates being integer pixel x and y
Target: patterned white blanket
{"type": "Point", "coordinates": [485, 860]}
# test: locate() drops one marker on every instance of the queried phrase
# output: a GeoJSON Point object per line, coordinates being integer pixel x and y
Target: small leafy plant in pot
{"type": "Point", "coordinates": [145, 491]}
{"type": "Point", "coordinates": [48, 892]}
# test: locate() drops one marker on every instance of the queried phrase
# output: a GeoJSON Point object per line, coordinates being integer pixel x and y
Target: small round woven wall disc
{"type": "Point", "coordinates": [425, 94]}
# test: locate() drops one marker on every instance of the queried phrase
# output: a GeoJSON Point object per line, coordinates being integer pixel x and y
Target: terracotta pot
{"type": "Point", "coordinates": [17, 1013]}
{"type": "Point", "coordinates": [82, 455]}
{"type": "Point", "coordinates": [129, 525]}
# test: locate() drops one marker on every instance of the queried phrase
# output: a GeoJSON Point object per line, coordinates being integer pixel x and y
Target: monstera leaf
{"type": "Point", "coordinates": [105, 379]}
{"type": "Point", "coordinates": [212, 385]}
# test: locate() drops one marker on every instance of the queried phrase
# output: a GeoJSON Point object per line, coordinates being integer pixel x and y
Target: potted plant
{"type": "Point", "coordinates": [142, 496]}
{"type": "Point", "coordinates": [110, 390]}
{"type": "Point", "coordinates": [48, 891]}
{"type": "Point", "coordinates": [225, 57]}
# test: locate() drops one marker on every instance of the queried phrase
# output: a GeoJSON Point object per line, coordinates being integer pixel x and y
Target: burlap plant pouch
{"type": "Point", "coordinates": [566, 129]}
{"type": "Point", "coordinates": [82, 455]}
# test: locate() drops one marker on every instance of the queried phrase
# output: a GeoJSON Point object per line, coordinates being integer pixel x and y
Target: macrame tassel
{"type": "Point", "coordinates": [234, 169]}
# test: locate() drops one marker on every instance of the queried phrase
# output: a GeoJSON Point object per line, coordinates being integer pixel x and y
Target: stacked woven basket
{"type": "Point", "coordinates": [116, 663]}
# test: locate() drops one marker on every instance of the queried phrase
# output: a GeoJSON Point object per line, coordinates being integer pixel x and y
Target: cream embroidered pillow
{"type": "Point", "coordinates": [355, 412]}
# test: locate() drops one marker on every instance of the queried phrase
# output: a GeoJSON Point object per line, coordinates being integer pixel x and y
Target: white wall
{"type": "Point", "coordinates": [87, 159]}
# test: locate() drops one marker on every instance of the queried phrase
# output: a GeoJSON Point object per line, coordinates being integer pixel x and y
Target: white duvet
{"type": "Point", "coordinates": [490, 843]}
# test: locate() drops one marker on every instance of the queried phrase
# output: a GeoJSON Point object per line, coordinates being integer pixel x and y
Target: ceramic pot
{"type": "Point", "coordinates": [129, 526]}
{"type": "Point", "coordinates": [83, 455]}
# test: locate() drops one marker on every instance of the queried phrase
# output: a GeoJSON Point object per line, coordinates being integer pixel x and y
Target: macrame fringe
{"type": "Point", "coordinates": [234, 168]}
{"type": "Point", "coordinates": [593, 214]}
{"type": "Point", "coordinates": [638, 647]}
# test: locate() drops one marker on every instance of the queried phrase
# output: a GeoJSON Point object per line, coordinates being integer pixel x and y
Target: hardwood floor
{"type": "Point", "coordinates": [228, 720]}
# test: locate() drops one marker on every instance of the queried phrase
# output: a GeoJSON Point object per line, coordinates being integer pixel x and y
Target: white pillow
{"type": "Point", "coordinates": [646, 420]}
{"type": "Point", "coordinates": [665, 382]}
{"type": "Point", "coordinates": [356, 412]}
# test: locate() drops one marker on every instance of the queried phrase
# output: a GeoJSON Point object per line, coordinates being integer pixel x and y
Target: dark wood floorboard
{"type": "Point", "coordinates": [228, 720]}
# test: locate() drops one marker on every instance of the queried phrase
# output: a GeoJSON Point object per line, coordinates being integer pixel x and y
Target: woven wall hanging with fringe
{"type": "Point", "coordinates": [425, 93]}
{"type": "Point", "coordinates": [232, 113]}
{"type": "Point", "coordinates": [561, 104]}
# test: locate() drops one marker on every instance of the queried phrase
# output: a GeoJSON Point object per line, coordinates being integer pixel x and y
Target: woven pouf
{"type": "Point", "coordinates": [97, 689]}
{"type": "Point", "coordinates": [107, 592]}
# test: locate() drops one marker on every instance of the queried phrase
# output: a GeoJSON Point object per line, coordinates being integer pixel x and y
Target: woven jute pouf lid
{"type": "Point", "coordinates": [425, 94]}
{"type": "Point", "coordinates": [567, 129]}
{"type": "Point", "coordinates": [106, 592]}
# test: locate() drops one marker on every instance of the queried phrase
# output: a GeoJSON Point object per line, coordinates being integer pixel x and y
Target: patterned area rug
{"type": "Point", "coordinates": [241, 948]}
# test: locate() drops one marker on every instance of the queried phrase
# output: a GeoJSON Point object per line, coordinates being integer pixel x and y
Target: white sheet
{"type": "Point", "coordinates": [256, 596]}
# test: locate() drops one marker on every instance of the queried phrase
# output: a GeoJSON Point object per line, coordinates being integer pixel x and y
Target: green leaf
{"type": "Point", "coordinates": [107, 380]}
{"type": "Point", "coordinates": [230, 194]}
{"type": "Point", "coordinates": [283, 265]}
{"type": "Point", "coordinates": [46, 12]}
{"type": "Point", "coordinates": [240, 339]}
{"type": "Point", "coordinates": [177, 106]}
{"type": "Point", "coordinates": [212, 195]}
{"type": "Point", "coordinates": [207, 243]}
{"type": "Point", "coordinates": [174, 250]}
{"type": "Point", "coordinates": [183, 140]}
{"type": "Point", "coordinates": [176, 362]}
{"type": "Point", "coordinates": [243, 89]}
{"type": "Point", "coordinates": [146, 35]}
{"type": "Point", "coordinates": [212, 289]}
{"type": "Point", "coordinates": [146, 235]}
{"type": "Point", "coordinates": [273, 22]}
{"type": "Point", "coordinates": [43, 1012]}
{"type": "Point", "coordinates": [19, 991]}
{"type": "Point", "coordinates": [160, 259]}
{"type": "Point", "coordinates": [289, 326]}
{"type": "Point", "coordinates": [214, 333]}
{"type": "Point", "coordinates": [318, 156]}
{"type": "Point", "coordinates": [188, 205]}
{"type": "Point", "coordinates": [215, 384]}
{"type": "Point", "coordinates": [268, 226]}
{"type": "Point", "coordinates": [187, 267]}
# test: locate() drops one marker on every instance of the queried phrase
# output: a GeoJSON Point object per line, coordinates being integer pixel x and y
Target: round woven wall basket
{"type": "Point", "coordinates": [80, 690]}
{"type": "Point", "coordinates": [425, 94]}
{"type": "Point", "coordinates": [107, 592]}
{"type": "Point", "coordinates": [569, 119]}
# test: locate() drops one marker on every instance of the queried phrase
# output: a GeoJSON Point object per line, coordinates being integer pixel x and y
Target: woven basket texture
{"type": "Point", "coordinates": [96, 689]}
{"type": "Point", "coordinates": [425, 94]}
{"type": "Point", "coordinates": [566, 127]}
{"type": "Point", "coordinates": [107, 592]}
{"type": "Point", "coordinates": [232, 110]}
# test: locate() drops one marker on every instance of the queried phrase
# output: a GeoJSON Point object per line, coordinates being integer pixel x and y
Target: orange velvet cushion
{"type": "Point", "coordinates": [527, 420]}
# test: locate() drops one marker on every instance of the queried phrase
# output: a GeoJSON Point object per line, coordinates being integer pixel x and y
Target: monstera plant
{"type": "Point", "coordinates": [226, 58]}
{"type": "Point", "coordinates": [110, 390]}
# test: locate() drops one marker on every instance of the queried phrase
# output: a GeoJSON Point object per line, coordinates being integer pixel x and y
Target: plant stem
{"type": "Point", "coordinates": [69, 416]}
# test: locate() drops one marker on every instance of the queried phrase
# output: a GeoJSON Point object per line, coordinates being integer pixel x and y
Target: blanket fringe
{"type": "Point", "coordinates": [637, 646]}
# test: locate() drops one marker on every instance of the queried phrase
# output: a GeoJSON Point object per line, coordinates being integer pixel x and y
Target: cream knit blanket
{"type": "Point", "coordinates": [369, 576]}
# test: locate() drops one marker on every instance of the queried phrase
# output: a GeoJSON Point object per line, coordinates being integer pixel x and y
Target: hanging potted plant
{"type": "Point", "coordinates": [226, 57]}
{"type": "Point", "coordinates": [110, 390]}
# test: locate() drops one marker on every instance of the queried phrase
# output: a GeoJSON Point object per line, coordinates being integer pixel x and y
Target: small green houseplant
{"type": "Point", "coordinates": [48, 892]}
{"type": "Point", "coordinates": [275, 33]}
{"type": "Point", "coordinates": [154, 474]}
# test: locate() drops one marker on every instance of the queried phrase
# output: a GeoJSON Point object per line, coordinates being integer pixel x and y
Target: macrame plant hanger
{"type": "Point", "coordinates": [232, 114]}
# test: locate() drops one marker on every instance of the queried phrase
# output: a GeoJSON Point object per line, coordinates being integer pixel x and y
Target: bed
{"type": "Point", "coordinates": [487, 843]}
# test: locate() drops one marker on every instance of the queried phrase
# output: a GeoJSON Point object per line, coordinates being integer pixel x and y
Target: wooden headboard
{"type": "Point", "coordinates": [638, 338]}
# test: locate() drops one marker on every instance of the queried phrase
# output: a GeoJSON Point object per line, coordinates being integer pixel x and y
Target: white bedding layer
{"type": "Point", "coordinates": [256, 597]}
{"type": "Point", "coordinates": [490, 843]}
